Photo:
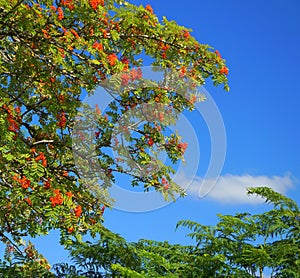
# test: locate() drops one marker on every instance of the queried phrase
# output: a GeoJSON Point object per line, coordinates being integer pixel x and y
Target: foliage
{"type": "Point", "coordinates": [252, 243]}
{"type": "Point", "coordinates": [97, 258]}
{"type": "Point", "coordinates": [53, 53]}
{"type": "Point", "coordinates": [241, 245]}
{"type": "Point", "coordinates": [32, 265]}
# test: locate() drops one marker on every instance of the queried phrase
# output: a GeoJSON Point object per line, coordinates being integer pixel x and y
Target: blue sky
{"type": "Point", "coordinates": [261, 42]}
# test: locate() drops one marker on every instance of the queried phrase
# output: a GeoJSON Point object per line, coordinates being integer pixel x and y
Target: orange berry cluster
{"type": "Point", "coordinates": [78, 211]}
{"type": "Point", "coordinates": [69, 194]}
{"type": "Point", "coordinates": [112, 59]}
{"type": "Point", "coordinates": [62, 119]}
{"type": "Point", "coordinates": [60, 13]}
{"type": "Point", "coordinates": [98, 46]}
{"type": "Point", "coordinates": [25, 183]}
{"type": "Point", "coordinates": [149, 8]}
{"type": "Point", "coordinates": [13, 122]}
{"type": "Point", "coordinates": [150, 142]}
{"type": "Point", "coordinates": [186, 34]}
{"type": "Point", "coordinates": [182, 147]}
{"type": "Point", "coordinates": [95, 3]}
{"type": "Point", "coordinates": [74, 33]}
{"type": "Point", "coordinates": [41, 157]}
{"type": "Point", "coordinates": [57, 199]}
{"type": "Point", "coordinates": [67, 3]}
{"type": "Point", "coordinates": [134, 74]}
{"type": "Point", "coordinates": [224, 70]}
{"type": "Point", "coordinates": [28, 201]}
{"type": "Point", "coordinates": [165, 183]}
{"type": "Point", "coordinates": [47, 184]}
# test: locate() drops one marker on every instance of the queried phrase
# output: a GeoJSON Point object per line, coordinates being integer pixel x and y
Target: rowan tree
{"type": "Point", "coordinates": [52, 54]}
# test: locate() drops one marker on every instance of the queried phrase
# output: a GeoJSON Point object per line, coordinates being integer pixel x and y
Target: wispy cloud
{"type": "Point", "coordinates": [232, 189]}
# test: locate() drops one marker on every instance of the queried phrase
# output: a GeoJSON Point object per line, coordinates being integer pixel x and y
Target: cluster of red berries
{"type": "Point", "coordinates": [134, 74]}
{"type": "Point", "coordinates": [78, 211]}
{"type": "Point", "coordinates": [165, 183]}
{"type": "Point", "coordinates": [149, 8]}
{"type": "Point", "coordinates": [47, 184]}
{"type": "Point", "coordinates": [28, 201]}
{"type": "Point", "coordinates": [186, 34]}
{"type": "Point", "coordinates": [67, 3]}
{"type": "Point", "coordinates": [224, 70]}
{"type": "Point", "coordinates": [57, 199]}
{"type": "Point", "coordinates": [182, 147]}
{"type": "Point", "coordinates": [25, 183]}
{"type": "Point", "coordinates": [13, 122]}
{"type": "Point", "coordinates": [98, 46]}
{"type": "Point", "coordinates": [60, 13]}
{"type": "Point", "coordinates": [41, 157]}
{"type": "Point", "coordinates": [95, 3]}
{"type": "Point", "coordinates": [112, 59]}
{"type": "Point", "coordinates": [62, 119]}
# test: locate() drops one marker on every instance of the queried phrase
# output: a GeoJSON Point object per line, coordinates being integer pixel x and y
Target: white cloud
{"type": "Point", "coordinates": [232, 189]}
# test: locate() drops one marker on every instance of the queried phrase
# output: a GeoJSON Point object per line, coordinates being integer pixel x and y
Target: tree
{"type": "Point", "coordinates": [53, 53]}
{"type": "Point", "coordinates": [252, 243]}
{"type": "Point", "coordinates": [240, 245]}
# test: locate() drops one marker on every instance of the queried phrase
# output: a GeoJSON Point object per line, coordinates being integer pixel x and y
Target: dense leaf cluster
{"type": "Point", "coordinates": [240, 245]}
